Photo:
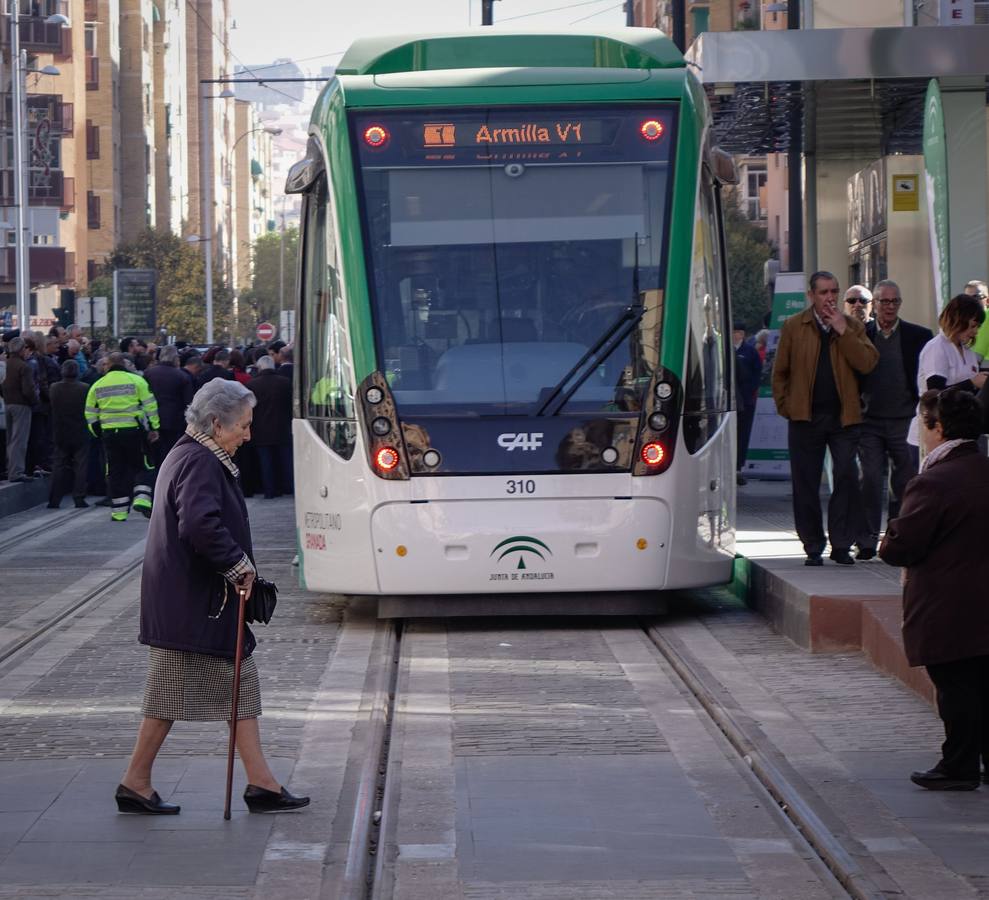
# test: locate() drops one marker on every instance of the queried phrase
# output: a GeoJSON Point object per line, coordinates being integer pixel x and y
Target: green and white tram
{"type": "Point", "coordinates": [513, 328]}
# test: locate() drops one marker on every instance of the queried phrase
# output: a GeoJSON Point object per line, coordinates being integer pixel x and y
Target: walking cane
{"type": "Point", "coordinates": [238, 659]}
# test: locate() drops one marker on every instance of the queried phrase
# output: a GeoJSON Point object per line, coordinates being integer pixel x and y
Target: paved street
{"type": "Point", "coordinates": [530, 758]}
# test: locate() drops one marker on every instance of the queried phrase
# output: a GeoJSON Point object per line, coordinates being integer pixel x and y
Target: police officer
{"type": "Point", "coordinates": [120, 409]}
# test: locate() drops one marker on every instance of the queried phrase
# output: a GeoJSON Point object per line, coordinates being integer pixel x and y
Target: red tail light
{"type": "Point", "coordinates": [376, 136]}
{"type": "Point", "coordinates": [653, 453]}
{"type": "Point", "coordinates": [387, 458]}
{"type": "Point", "coordinates": [652, 129]}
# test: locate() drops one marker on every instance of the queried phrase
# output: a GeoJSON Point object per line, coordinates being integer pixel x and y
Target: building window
{"type": "Point", "coordinates": [702, 19]}
{"type": "Point", "coordinates": [92, 211]}
{"type": "Point", "coordinates": [755, 182]}
{"type": "Point", "coordinates": [92, 140]}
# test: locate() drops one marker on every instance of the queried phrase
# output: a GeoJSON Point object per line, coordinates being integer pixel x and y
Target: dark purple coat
{"type": "Point", "coordinates": [198, 528]}
{"type": "Point", "coordinates": [940, 535]}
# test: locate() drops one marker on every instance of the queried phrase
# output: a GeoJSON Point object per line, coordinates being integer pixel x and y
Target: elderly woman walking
{"type": "Point", "coordinates": [199, 533]}
{"type": "Point", "coordinates": [939, 538]}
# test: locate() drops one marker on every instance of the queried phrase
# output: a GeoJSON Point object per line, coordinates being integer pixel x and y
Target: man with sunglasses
{"type": "Point", "coordinates": [858, 303]}
{"type": "Point", "coordinates": [889, 401]}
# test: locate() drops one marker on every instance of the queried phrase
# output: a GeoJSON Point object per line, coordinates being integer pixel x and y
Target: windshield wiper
{"type": "Point", "coordinates": [601, 349]}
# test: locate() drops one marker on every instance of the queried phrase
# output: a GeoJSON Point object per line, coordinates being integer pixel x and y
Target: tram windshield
{"type": "Point", "coordinates": [516, 256]}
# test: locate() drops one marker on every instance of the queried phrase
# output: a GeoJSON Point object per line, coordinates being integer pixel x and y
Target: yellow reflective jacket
{"type": "Point", "coordinates": [121, 399]}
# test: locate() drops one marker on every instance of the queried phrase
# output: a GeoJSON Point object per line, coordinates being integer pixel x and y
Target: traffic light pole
{"type": "Point", "coordinates": [487, 12]}
{"type": "Point", "coordinates": [22, 274]}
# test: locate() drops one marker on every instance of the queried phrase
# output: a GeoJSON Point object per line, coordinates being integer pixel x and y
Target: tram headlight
{"type": "Point", "coordinates": [659, 421]}
{"type": "Point", "coordinates": [664, 390]}
{"type": "Point", "coordinates": [386, 459]}
{"type": "Point", "coordinates": [431, 458]}
{"type": "Point", "coordinates": [374, 395]}
{"type": "Point", "coordinates": [653, 453]}
{"type": "Point", "coordinates": [380, 426]}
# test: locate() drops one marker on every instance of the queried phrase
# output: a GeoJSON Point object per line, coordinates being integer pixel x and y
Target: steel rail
{"type": "Point", "coordinates": [95, 593]}
{"type": "Point", "coordinates": [358, 873]}
{"type": "Point", "coordinates": [821, 839]}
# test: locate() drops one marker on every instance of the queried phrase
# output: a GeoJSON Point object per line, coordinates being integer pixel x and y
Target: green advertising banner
{"type": "Point", "coordinates": [936, 181]}
{"type": "Point", "coordinates": [768, 456]}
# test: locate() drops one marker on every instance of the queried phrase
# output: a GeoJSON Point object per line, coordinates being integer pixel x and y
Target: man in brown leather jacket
{"type": "Point", "coordinates": [820, 355]}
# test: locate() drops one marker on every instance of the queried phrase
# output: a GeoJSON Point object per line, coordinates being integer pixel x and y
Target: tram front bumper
{"type": "Point", "coordinates": [497, 546]}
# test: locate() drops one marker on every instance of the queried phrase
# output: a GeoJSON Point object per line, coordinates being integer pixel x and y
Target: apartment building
{"type": "Point", "coordinates": [170, 104]}
{"type": "Point", "coordinates": [253, 201]}
{"type": "Point", "coordinates": [137, 118]}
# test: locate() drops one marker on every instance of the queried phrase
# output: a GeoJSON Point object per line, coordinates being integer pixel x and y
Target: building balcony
{"type": "Point", "coordinates": [47, 265]}
{"type": "Point", "coordinates": [44, 189]}
{"type": "Point", "coordinates": [37, 36]}
{"type": "Point", "coordinates": [92, 73]}
{"type": "Point", "coordinates": [43, 108]}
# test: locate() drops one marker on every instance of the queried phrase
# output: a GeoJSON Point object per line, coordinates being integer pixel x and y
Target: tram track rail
{"type": "Point", "coordinates": [20, 537]}
{"type": "Point", "coordinates": [855, 870]}
{"type": "Point", "coordinates": [97, 592]}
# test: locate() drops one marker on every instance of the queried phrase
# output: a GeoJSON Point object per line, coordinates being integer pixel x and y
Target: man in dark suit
{"type": "Point", "coordinates": [889, 398]}
{"type": "Point", "coordinates": [68, 405]}
{"type": "Point", "coordinates": [748, 372]}
{"type": "Point", "coordinates": [271, 431]}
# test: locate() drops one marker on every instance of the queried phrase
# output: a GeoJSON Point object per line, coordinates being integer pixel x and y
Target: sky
{"type": "Point", "coordinates": [315, 33]}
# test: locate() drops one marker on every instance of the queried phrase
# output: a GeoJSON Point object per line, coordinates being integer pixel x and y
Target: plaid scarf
{"type": "Point", "coordinates": [208, 442]}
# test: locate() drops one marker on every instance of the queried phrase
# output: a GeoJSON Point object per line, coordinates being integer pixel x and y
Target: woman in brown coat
{"type": "Point", "coordinates": [939, 538]}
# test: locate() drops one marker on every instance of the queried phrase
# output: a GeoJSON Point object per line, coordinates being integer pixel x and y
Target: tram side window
{"type": "Point", "coordinates": [706, 394]}
{"type": "Point", "coordinates": [327, 374]}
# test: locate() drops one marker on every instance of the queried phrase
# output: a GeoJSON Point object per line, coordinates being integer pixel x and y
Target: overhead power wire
{"type": "Point", "coordinates": [286, 62]}
{"type": "Point", "coordinates": [600, 12]}
{"type": "Point", "coordinates": [192, 5]}
{"type": "Point", "coordinates": [544, 11]}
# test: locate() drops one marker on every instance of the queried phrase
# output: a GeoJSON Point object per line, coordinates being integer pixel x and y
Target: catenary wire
{"type": "Point", "coordinates": [598, 13]}
{"type": "Point", "coordinates": [543, 11]}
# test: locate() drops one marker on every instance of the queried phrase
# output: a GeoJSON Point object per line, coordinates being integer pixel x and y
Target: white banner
{"type": "Point", "coordinates": [91, 312]}
{"type": "Point", "coordinates": [957, 12]}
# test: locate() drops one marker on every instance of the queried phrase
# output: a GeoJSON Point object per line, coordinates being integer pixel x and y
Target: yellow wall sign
{"type": "Point", "coordinates": [906, 195]}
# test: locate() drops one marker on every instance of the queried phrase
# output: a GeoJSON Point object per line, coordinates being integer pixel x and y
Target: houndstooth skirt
{"type": "Point", "coordinates": [195, 687]}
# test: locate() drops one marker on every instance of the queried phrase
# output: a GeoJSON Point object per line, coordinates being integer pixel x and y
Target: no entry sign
{"type": "Point", "coordinates": [266, 331]}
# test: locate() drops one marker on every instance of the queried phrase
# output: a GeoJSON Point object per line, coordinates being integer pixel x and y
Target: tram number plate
{"type": "Point", "coordinates": [520, 486]}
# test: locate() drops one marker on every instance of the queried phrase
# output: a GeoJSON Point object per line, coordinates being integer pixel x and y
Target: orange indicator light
{"type": "Point", "coordinates": [401, 550]}
{"type": "Point", "coordinates": [386, 459]}
{"type": "Point", "coordinates": [375, 136]}
{"type": "Point", "coordinates": [642, 543]}
{"type": "Point", "coordinates": [652, 129]}
{"type": "Point", "coordinates": [653, 453]}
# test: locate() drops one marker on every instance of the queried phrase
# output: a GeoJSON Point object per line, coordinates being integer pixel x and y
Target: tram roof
{"type": "Point", "coordinates": [621, 48]}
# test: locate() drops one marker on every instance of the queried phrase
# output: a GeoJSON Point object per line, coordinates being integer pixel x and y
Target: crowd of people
{"type": "Point", "coordinates": [100, 418]}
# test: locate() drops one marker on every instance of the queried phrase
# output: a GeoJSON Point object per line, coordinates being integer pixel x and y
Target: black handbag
{"type": "Point", "coordinates": [260, 606]}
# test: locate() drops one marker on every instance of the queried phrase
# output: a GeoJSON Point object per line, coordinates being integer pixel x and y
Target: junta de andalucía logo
{"type": "Point", "coordinates": [521, 544]}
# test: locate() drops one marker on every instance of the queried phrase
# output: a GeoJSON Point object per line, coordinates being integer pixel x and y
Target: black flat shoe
{"type": "Point", "coordinates": [261, 800]}
{"type": "Point", "coordinates": [842, 557]}
{"type": "Point", "coordinates": [935, 780]}
{"type": "Point", "coordinates": [865, 553]}
{"type": "Point", "coordinates": [129, 801]}
{"type": "Point", "coordinates": [813, 559]}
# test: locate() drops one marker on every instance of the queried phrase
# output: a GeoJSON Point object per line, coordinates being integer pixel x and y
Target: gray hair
{"type": "Point", "coordinates": [861, 290]}
{"type": "Point", "coordinates": [16, 345]}
{"type": "Point", "coordinates": [220, 401]}
{"type": "Point", "coordinates": [264, 363]}
{"type": "Point", "coordinates": [886, 282]}
{"type": "Point", "coordinates": [70, 369]}
{"type": "Point", "coordinates": [168, 355]}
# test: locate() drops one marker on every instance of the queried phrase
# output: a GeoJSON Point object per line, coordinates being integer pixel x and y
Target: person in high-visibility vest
{"type": "Point", "coordinates": [120, 410]}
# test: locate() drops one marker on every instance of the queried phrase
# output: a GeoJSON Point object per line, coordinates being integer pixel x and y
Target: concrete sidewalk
{"type": "Point", "coordinates": [832, 608]}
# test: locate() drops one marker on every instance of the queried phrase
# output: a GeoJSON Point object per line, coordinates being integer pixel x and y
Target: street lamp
{"type": "Point", "coordinates": [18, 90]}
{"type": "Point", "coordinates": [274, 131]}
{"type": "Point", "coordinates": [206, 166]}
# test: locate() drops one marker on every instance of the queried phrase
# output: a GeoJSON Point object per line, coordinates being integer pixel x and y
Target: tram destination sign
{"type": "Point", "coordinates": [465, 137]}
{"type": "Point", "coordinates": [135, 302]}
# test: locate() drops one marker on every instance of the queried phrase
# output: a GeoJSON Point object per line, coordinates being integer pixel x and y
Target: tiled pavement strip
{"type": "Point", "coordinates": [541, 760]}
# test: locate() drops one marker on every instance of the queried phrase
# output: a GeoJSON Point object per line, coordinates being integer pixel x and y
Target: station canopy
{"type": "Point", "coordinates": [843, 91]}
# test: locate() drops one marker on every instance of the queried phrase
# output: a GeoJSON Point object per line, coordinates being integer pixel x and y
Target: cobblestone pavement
{"type": "Point", "coordinates": [69, 709]}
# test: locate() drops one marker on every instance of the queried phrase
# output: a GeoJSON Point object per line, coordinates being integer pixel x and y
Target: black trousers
{"type": "Point", "coordinates": [807, 442]}
{"type": "Point", "coordinates": [124, 448]}
{"type": "Point", "coordinates": [69, 473]}
{"type": "Point", "coordinates": [746, 417]}
{"type": "Point", "coordinates": [882, 440]}
{"type": "Point", "coordinates": [963, 705]}
{"type": "Point", "coordinates": [167, 438]}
